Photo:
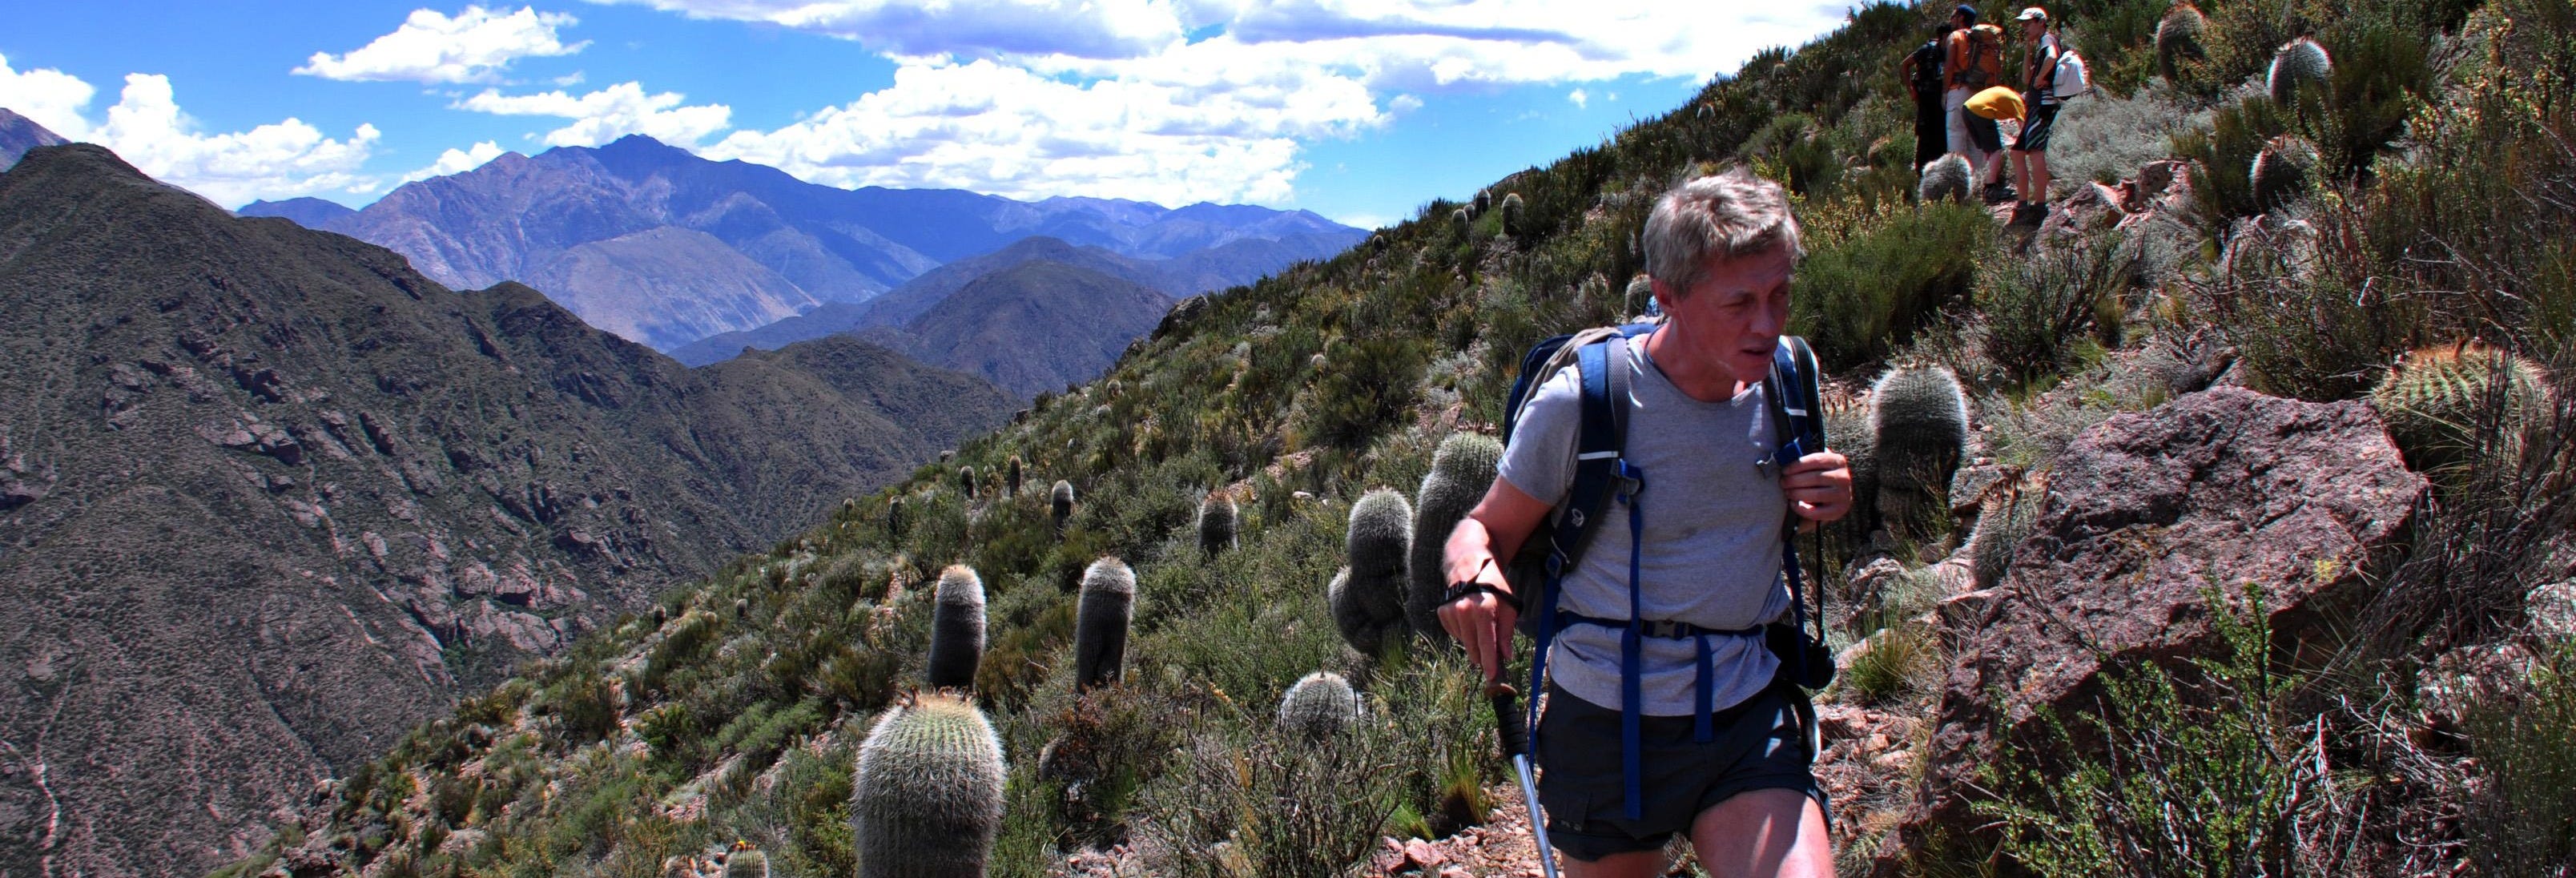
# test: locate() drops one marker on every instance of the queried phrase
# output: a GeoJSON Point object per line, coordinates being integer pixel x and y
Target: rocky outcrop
{"type": "Point", "coordinates": [2223, 488]}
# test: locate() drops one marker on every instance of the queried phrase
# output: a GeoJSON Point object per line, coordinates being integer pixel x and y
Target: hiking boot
{"type": "Point", "coordinates": [1998, 193]}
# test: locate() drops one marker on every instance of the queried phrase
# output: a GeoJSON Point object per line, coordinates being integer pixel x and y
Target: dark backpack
{"type": "Point", "coordinates": [1927, 69]}
{"type": "Point", "coordinates": [1602, 475]}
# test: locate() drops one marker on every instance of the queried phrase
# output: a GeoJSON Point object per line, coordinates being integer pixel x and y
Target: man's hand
{"type": "Point", "coordinates": [1819, 486]}
{"type": "Point", "coordinates": [1481, 621]}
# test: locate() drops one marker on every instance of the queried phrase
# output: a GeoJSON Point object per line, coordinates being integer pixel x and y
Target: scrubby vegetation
{"type": "Point", "coordinates": [2445, 167]}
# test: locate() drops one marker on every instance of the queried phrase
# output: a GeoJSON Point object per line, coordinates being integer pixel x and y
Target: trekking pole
{"type": "Point", "coordinates": [1514, 728]}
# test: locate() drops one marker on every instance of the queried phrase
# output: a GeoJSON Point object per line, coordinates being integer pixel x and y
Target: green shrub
{"type": "Point", "coordinates": [1863, 293]}
{"type": "Point", "coordinates": [2195, 774]}
{"type": "Point", "coordinates": [2038, 308]}
{"type": "Point", "coordinates": [1899, 662]}
{"type": "Point", "coordinates": [2521, 819]}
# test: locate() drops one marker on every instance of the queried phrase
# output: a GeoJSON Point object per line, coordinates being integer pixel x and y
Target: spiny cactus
{"type": "Point", "coordinates": [1461, 471]}
{"type": "Point", "coordinates": [1461, 220]}
{"type": "Point", "coordinates": [1011, 480]}
{"type": "Point", "coordinates": [1641, 293]}
{"type": "Point", "coordinates": [2455, 409]}
{"type": "Point", "coordinates": [966, 481]}
{"type": "Point", "coordinates": [1100, 623]}
{"type": "Point", "coordinates": [2284, 172]}
{"type": "Point", "coordinates": [1380, 537]}
{"type": "Point", "coordinates": [2299, 63]}
{"type": "Point", "coordinates": [1364, 633]}
{"type": "Point", "coordinates": [956, 628]}
{"type": "Point", "coordinates": [746, 862]}
{"type": "Point", "coordinates": [926, 797]}
{"type": "Point", "coordinates": [661, 617]}
{"type": "Point", "coordinates": [894, 518]}
{"type": "Point", "coordinates": [2004, 518]}
{"type": "Point", "coordinates": [1848, 432]}
{"type": "Point", "coordinates": [1919, 418]}
{"type": "Point", "coordinates": [1060, 505]}
{"type": "Point", "coordinates": [1944, 179]}
{"type": "Point", "coordinates": [2178, 41]}
{"type": "Point", "coordinates": [1320, 706]}
{"type": "Point", "coordinates": [1484, 200]}
{"type": "Point", "coordinates": [1515, 217]}
{"type": "Point", "coordinates": [1216, 523]}
{"type": "Point", "coordinates": [742, 608]}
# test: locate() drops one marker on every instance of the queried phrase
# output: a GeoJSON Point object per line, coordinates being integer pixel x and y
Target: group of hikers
{"type": "Point", "coordinates": [1658, 475]}
{"type": "Point", "coordinates": [1960, 96]}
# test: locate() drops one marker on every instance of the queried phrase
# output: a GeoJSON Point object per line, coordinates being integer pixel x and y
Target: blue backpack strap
{"type": "Point", "coordinates": [1600, 434]}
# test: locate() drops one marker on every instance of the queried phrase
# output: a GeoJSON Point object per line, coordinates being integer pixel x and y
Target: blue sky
{"type": "Point", "coordinates": [1360, 111]}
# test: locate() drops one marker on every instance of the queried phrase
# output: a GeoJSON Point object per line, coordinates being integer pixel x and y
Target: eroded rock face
{"type": "Point", "coordinates": [2144, 514]}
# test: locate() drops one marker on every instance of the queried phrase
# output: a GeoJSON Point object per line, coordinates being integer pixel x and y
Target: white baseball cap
{"type": "Point", "coordinates": [2032, 13]}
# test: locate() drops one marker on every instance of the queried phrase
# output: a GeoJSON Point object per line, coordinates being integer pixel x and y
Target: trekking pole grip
{"type": "Point", "coordinates": [1508, 719]}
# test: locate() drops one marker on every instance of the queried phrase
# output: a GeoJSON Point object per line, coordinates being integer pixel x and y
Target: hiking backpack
{"type": "Point", "coordinates": [1985, 65]}
{"type": "Point", "coordinates": [1927, 69]}
{"type": "Point", "coordinates": [1602, 476]}
{"type": "Point", "coordinates": [2068, 78]}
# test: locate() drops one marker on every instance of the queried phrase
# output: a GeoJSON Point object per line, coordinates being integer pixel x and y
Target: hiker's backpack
{"type": "Point", "coordinates": [1927, 69]}
{"type": "Point", "coordinates": [1603, 479]}
{"type": "Point", "coordinates": [1985, 65]}
{"type": "Point", "coordinates": [2068, 78]}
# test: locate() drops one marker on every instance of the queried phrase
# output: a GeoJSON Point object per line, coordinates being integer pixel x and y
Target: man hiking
{"type": "Point", "coordinates": [1721, 751]}
{"type": "Point", "coordinates": [1921, 73]}
{"type": "Point", "coordinates": [2039, 98]}
{"type": "Point", "coordinates": [1971, 62]}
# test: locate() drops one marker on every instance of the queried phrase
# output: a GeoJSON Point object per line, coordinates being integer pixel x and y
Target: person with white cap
{"type": "Point", "coordinates": [2040, 100]}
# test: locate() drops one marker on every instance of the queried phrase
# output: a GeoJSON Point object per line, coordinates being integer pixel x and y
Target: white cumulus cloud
{"type": "Point", "coordinates": [281, 159]}
{"type": "Point", "coordinates": [1578, 97]}
{"type": "Point", "coordinates": [610, 113]}
{"type": "Point", "coordinates": [458, 161]}
{"type": "Point", "coordinates": [49, 97]}
{"type": "Point", "coordinates": [475, 45]}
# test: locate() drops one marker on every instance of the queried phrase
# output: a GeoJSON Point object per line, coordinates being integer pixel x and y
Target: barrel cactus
{"type": "Point", "coordinates": [894, 518]}
{"type": "Point", "coordinates": [2299, 64]}
{"type": "Point", "coordinates": [1011, 477]}
{"type": "Point", "coordinates": [956, 628]}
{"type": "Point", "coordinates": [1319, 707]}
{"type": "Point", "coordinates": [1919, 418]}
{"type": "Point", "coordinates": [966, 480]}
{"type": "Point", "coordinates": [1461, 471]}
{"type": "Point", "coordinates": [1944, 179]}
{"type": "Point", "coordinates": [1100, 623]}
{"type": "Point", "coordinates": [1365, 633]}
{"type": "Point", "coordinates": [926, 797]}
{"type": "Point", "coordinates": [1217, 519]}
{"type": "Point", "coordinates": [1380, 537]}
{"type": "Point", "coordinates": [2178, 42]}
{"type": "Point", "coordinates": [1847, 432]}
{"type": "Point", "coordinates": [1060, 504]}
{"type": "Point", "coordinates": [2004, 518]}
{"type": "Point", "coordinates": [746, 862]}
{"type": "Point", "coordinates": [2284, 172]}
{"type": "Point", "coordinates": [1515, 215]}
{"type": "Point", "coordinates": [2458, 409]}
{"type": "Point", "coordinates": [1641, 295]}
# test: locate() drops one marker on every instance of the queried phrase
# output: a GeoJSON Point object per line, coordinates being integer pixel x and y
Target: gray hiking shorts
{"type": "Point", "coordinates": [1758, 745]}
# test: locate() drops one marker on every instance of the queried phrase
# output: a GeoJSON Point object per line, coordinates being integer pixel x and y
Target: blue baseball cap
{"type": "Point", "coordinates": [1967, 10]}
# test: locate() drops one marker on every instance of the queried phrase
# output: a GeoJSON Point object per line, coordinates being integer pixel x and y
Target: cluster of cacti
{"type": "Point", "coordinates": [2004, 518]}
{"type": "Point", "coordinates": [1373, 586]}
{"type": "Point", "coordinates": [746, 861]}
{"type": "Point", "coordinates": [966, 480]}
{"type": "Point", "coordinates": [1060, 505]}
{"type": "Point", "coordinates": [956, 628]}
{"type": "Point", "coordinates": [2284, 171]}
{"type": "Point", "coordinates": [1515, 218]}
{"type": "Point", "coordinates": [2299, 64]}
{"type": "Point", "coordinates": [1461, 471]}
{"type": "Point", "coordinates": [1100, 623]}
{"type": "Point", "coordinates": [2178, 41]}
{"type": "Point", "coordinates": [2459, 408]}
{"type": "Point", "coordinates": [1918, 417]}
{"type": "Point", "coordinates": [1217, 517]}
{"type": "Point", "coordinates": [926, 797]}
{"type": "Point", "coordinates": [1011, 478]}
{"type": "Point", "coordinates": [1944, 179]}
{"type": "Point", "coordinates": [1318, 707]}
{"type": "Point", "coordinates": [1641, 295]}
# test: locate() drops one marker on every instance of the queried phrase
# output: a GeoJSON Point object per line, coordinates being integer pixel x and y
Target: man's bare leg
{"type": "Point", "coordinates": [1634, 864]}
{"type": "Point", "coordinates": [1764, 833]}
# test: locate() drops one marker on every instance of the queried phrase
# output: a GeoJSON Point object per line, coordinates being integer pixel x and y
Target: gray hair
{"type": "Point", "coordinates": [1725, 216]}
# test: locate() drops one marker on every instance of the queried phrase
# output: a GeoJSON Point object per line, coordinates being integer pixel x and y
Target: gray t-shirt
{"type": "Point", "coordinates": [1711, 552]}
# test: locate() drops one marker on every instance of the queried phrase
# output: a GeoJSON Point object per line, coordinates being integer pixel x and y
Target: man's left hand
{"type": "Point", "coordinates": [1819, 486]}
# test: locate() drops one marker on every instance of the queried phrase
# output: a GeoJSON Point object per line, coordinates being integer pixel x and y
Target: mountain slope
{"type": "Point", "coordinates": [268, 498]}
{"type": "Point", "coordinates": [311, 213]}
{"type": "Point", "coordinates": [18, 134]}
{"type": "Point", "coordinates": [517, 217]}
{"type": "Point", "coordinates": [667, 286]}
{"type": "Point", "coordinates": [1036, 326]}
